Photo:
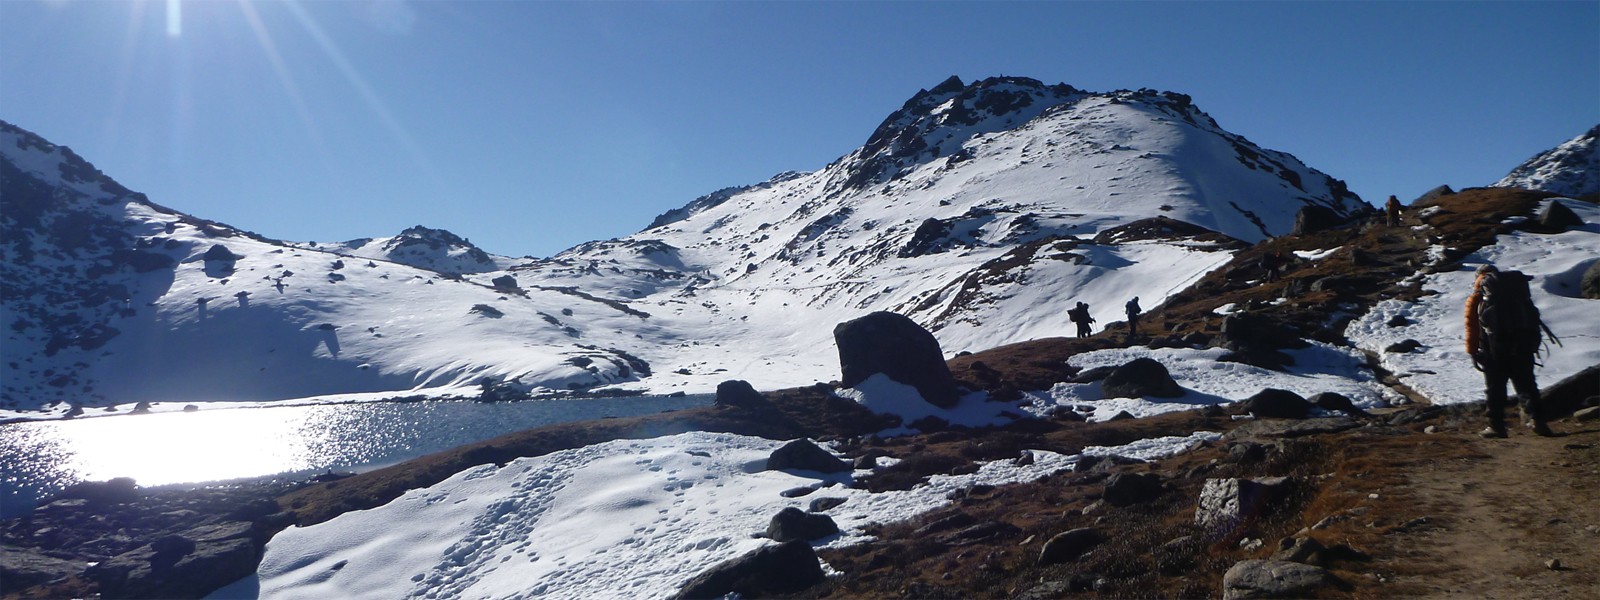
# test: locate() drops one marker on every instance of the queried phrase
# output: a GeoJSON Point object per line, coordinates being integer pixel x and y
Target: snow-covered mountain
{"type": "Point", "coordinates": [1571, 169]}
{"type": "Point", "coordinates": [982, 210]}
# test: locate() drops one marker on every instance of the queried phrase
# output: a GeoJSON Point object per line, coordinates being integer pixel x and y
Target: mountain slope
{"type": "Point", "coordinates": [980, 210]}
{"type": "Point", "coordinates": [1571, 169]}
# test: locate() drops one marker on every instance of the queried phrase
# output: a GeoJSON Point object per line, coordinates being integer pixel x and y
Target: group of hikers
{"type": "Point", "coordinates": [1504, 337]}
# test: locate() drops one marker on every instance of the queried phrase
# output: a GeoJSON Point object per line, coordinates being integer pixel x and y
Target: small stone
{"type": "Point", "coordinates": [1553, 564]}
{"type": "Point", "coordinates": [1431, 429]}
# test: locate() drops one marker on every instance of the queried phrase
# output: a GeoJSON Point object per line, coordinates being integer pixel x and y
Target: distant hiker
{"type": "Point", "coordinates": [1392, 210]}
{"type": "Point", "coordinates": [1080, 315]}
{"type": "Point", "coordinates": [1133, 316]}
{"type": "Point", "coordinates": [1504, 335]}
{"type": "Point", "coordinates": [1271, 264]}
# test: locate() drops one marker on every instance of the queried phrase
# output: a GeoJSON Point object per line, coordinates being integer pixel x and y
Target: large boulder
{"type": "Point", "coordinates": [806, 456]}
{"type": "Point", "coordinates": [770, 570]}
{"type": "Point", "coordinates": [1069, 546]}
{"type": "Point", "coordinates": [1272, 403]}
{"type": "Point", "coordinates": [1226, 504]}
{"type": "Point", "coordinates": [27, 567]}
{"type": "Point", "coordinates": [1558, 216]}
{"type": "Point", "coordinates": [176, 567]}
{"type": "Point", "coordinates": [794, 524]}
{"type": "Point", "coordinates": [1139, 378]}
{"type": "Point", "coordinates": [1589, 286]}
{"type": "Point", "coordinates": [1272, 579]}
{"type": "Point", "coordinates": [735, 392]}
{"type": "Point", "coordinates": [1573, 393]}
{"type": "Point", "coordinates": [893, 344]}
{"type": "Point", "coordinates": [119, 490]}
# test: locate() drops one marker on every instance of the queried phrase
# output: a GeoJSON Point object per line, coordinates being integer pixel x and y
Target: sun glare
{"type": "Point", "coordinates": [174, 18]}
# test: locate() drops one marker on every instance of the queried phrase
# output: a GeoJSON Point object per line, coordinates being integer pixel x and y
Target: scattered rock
{"type": "Point", "coordinates": [981, 532]}
{"type": "Point", "coordinates": [1589, 285]}
{"type": "Point", "coordinates": [804, 455]}
{"type": "Point", "coordinates": [1574, 393]}
{"type": "Point", "coordinates": [1272, 403]}
{"type": "Point", "coordinates": [1588, 414]}
{"type": "Point", "coordinates": [1271, 579]}
{"type": "Point", "coordinates": [946, 523]}
{"type": "Point", "coordinates": [1024, 459]}
{"type": "Point", "coordinates": [796, 492]}
{"type": "Point", "coordinates": [794, 524]}
{"type": "Point", "coordinates": [771, 570]}
{"type": "Point", "coordinates": [1403, 346]}
{"type": "Point", "coordinates": [1313, 218]}
{"type": "Point", "coordinates": [1122, 416]}
{"type": "Point", "coordinates": [893, 344]}
{"type": "Point", "coordinates": [1069, 546]}
{"type": "Point", "coordinates": [825, 503]}
{"type": "Point", "coordinates": [1301, 550]}
{"type": "Point", "coordinates": [1553, 564]}
{"type": "Point", "coordinates": [1091, 374]}
{"type": "Point", "coordinates": [119, 490]}
{"type": "Point", "coordinates": [506, 283]}
{"type": "Point", "coordinates": [1398, 321]}
{"type": "Point", "coordinates": [1139, 378]}
{"type": "Point", "coordinates": [735, 392]}
{"type": "Point", "coordinates": [1338, 402]}
{"type": "Point", "coordinates": [26, 567]}
{"type": "Point", "coordinates": [1126, 489]}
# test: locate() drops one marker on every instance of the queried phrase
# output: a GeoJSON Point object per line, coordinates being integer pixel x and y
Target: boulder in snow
{"type": "Point", "coordinates": [1139, 378]}
{"type": "Point", "coordinates": [769, 570]}
{"type": "Point", "coordinates": [791, 524]}
{"type": "Point", "coordinates": [736, 392]}
{"type": "Point", "coordinates": [1274, 403]}
{"type": "Point", "coordinates": [1558, 216]}
{"type": "Point", "coordinates": [1590, 284]}
{"type": "Point", "coordinates": [804, 455]}
{"type": "Point", "coordinates": [893, 344]}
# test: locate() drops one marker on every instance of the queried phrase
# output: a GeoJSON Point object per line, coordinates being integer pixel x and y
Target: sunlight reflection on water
{"type": "Point", "coordinates": [40, 458]}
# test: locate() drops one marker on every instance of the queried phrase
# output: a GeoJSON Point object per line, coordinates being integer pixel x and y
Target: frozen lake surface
{"type": "Point", "coordinates": [42, 457]}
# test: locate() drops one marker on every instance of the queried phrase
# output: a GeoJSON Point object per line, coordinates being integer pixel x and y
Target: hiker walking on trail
{"type": "Point", "coordinates": [1133, 317]}
{"type": "Point", "coordinates": [1504, 335]}
{"type": "Point", "coordinates": [1080, 315]}
{"type": "Point", "coordinates": [1391, 209]}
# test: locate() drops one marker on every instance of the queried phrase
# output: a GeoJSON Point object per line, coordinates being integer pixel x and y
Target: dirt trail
{"type": "Point", "coordinates": [1498, 513]}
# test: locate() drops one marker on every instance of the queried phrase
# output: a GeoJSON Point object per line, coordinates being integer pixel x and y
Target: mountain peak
{"type": "Point", "coordinates": [1570, 169]}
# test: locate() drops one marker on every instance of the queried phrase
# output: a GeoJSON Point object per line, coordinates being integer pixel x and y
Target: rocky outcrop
{"type": "Point", "coordinates": [803, 455]}
{"type": "Point", "coordinates": [771, 570]}
{"type": "Point", "coordinates": [1139, 378]}
{"type": "Point", "coordinates": [1590, 284]}
{"type": "Point", "coordinates": [896, 346]}
{"type": "Point", "coordinates": [1127, 489]}
{"type": "Point", "coordinates": [1557, 216]}
{"type": "Point", "coordinates": [1314, 218]}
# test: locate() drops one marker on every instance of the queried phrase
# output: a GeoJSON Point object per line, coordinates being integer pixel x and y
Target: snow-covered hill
{"type": "Point", "coordinates": [983, 211]}
{"type": "Point", "coordinates": [1571, 169]}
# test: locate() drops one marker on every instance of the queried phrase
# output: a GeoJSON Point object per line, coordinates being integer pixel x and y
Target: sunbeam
{"type": "Point", "coordinates": [285, 78]}
{"type": "Point", "coordinates": [175, 18]}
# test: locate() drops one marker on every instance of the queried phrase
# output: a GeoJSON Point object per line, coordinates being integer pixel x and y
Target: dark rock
{"type": "Point", "coordinates": [1122, 416]}
{"type": "Point", "coordinates": [1247, 452]}
{"type": "Point", "coordinates": [825, 503]}
{"type": "Point", "coordinates": [1558, 216]}
{"type": "Point", "coordinates": [1338, 402]}
{"type": "Point", "coordinates": [804, 455]}
{"type": "Point", "coordinates": [1588, 414]}
{"type": "Point", "coordinates": [1573, 393]}
{"type": "Point", "coordinates": [1272, 403]}
{"type": "Point", "coordinates": [1398, 321]}
{"type": "Point", "coordinates": [505, 283]}
{"type": "Point", "coordinates": [796, 492]}
{"type": "Point", "coordinates": [1589, 285]}
{"type": "Point", "coordinates": [1065, 413]}
{"type": "Point", "coordinates": [1404, 346]}
{"type": "Point", "coordinates": [1279, 428]}
{"type": "Point", "coordinates": [146, 572]}
{"type": "Point", "coordinates": [735, 392]}
{"type": "Point", "coordinates": [1212, 410]}
{"type": "Point", "coordinates": [1126, 489]}
{"type": "Point", "coordinates": [869, 459]}
{"type": "Point", "coordinates": [892, 344]}
{"type": "Point", "coordinates": [1024, 459]}
{"type": "Point", "coordinates": [794, 524]}
{"type": "Point", "coordinates": [219, 252]}
{"type": "Point", "coordinates": [1301, 550]}
{"type": "Point", "coordinates": [1139, 378]}
{"type": "Point", "coordinates": [1251, 579]}
{"type": "Point", "coordinates": [1070, 546]}
{"type": "Point", "coordinates": [771, 570]}
{"type": "Point", "coordinates": [1227, 504]}
{"type": "Point", "coordinates": [1075, 584]}
{"type": "Point", "coordinates": [1102, 463]}
{"type": "Point", "coordinates": [1431, 197]}
{"type": "Point", "coordinates": [945, 523]}
{"type": "Point", "coordinates": [1313, 218]}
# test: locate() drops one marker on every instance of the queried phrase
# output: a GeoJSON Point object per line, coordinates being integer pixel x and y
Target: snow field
{"type": "Point", "coordinates": [622, 519]}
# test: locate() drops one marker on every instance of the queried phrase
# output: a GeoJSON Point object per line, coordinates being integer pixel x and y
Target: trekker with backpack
{"type": "Point", "coordinates": [1080, 314]}
{"type": "Point", "coordinates": [1391, 210]}
{"type": "Point", "coordinates": [1132, 308]}
{"type": "Point", "coordinates": [1504, 335]}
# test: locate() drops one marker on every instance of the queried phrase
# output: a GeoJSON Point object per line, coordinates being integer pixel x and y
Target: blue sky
{"type": "Point", "coordinates": [529, 127]}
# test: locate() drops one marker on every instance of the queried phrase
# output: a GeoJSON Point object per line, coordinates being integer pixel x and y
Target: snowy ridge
{"type": "Point", "coordinates": [1571, 169]}
{"type": "Point", "coordinates": [974, 209]}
